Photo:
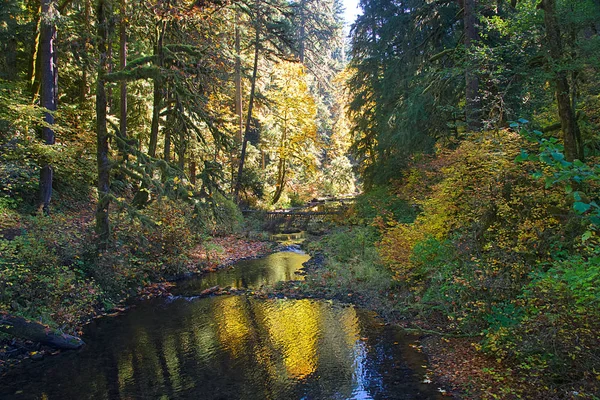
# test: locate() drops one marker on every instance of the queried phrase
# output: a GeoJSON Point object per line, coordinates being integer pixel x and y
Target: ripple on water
{"type": "Point", "coordinates": [231, 347]}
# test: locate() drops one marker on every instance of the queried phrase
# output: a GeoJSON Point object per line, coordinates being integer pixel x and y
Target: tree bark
{"type": "Point", "coordinates": [49, 88]}
{"type": "Point", "coordinates": [282, 166]}
{"type": "Point", "coordinates": [193, 173]}
{"type": "Point", "coordinates": [122, 65]}
{"type": "Point", "coordinates": [566, 112]}
{"type": "Point", "coordinates": [167, 148]}
{"type": "Point", "coordinates": [157, 101]}
{"type": "Point", "coordinates": [49, 76]}
{"type": "Point", "coordinates": [10, 59]}
{"type": "Point", "coordinates": [35, 64]}
{"type": "Point", "coordinates": [102, 216]}
{"type": "Point", "coordinates": [168, 129]}
{"type": "Point", "coordinates": [84, 89]}
{"type": "Point", "coordinates": [30, 330]}
{"type": "Point", "coordinates": [302, 38]}
{"type": "Point", "coordinates": [238, 79]}
{"type": "Point", "coordinates": [238, 183]}
{"type": "Point", "coordinates": [110, 68]}
{"type": "Point", "coordinates": [238, 101]}
{"type": "Point", "coordinates": [472, 97]}
{"type": "Point", "coordinates": [182, 148]}
{"type": "Point", "coordinates": [281, 175]}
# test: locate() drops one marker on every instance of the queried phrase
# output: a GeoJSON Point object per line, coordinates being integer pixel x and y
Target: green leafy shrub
{"type": "Point", "coordinates": [19, 174]}
{"type": "Point", "coordinates": [380, 202]}
{"type": "Point", "coordinates": [351, 243]}
{"type": "Point", "coordinates": [500, 252]}
{"type": "Point", "coordinates": [580, 181]}
{"type": "Point", "coordinates": [218, 215]}
{"type": "Point", "coordinates": [35, 280]}
{"type": "Point", "coordinates": [353, 266]}
{"type": "Point", "coordinates": [558, 321]}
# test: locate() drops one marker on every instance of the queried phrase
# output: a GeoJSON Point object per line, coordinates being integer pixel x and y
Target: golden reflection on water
{"type": "Point", "coordinates": [125, 370]}
{"type": "Point", "coordinates": [293, 328]}
{"type": "Point", "coordinates": [232, 324]}
{"type": "Point", "coordinates": [251, 273]}
{"type": "Point", "coordinates": [286, 339]}
{"type": "Point", "coordinates": [171, 358]}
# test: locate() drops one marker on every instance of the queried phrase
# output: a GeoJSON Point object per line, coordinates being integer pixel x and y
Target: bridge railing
{"type": "Point", "coordinates": [300, 217]}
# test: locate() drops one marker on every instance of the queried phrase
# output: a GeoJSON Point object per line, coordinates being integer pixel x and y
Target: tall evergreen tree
{"type": "Point", "coordinates": [49, 89]}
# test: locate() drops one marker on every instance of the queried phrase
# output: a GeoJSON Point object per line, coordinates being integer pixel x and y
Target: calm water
{"type": "Point", "coordinates": [251, 274]}
{"type": "Point", "coordinates": [232, 347]}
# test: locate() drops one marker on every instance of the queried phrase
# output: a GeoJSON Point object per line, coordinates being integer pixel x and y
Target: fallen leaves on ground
{"type": "Point", "coordinates": [222, 251]}
{"type": "Point", "coordinates": [159, 289]}
{"type": "Point", "coordinates": [471, 374]}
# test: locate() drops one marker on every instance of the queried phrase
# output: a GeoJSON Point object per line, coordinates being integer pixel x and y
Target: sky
{"type": "Point", "coordinates": [352, 10]}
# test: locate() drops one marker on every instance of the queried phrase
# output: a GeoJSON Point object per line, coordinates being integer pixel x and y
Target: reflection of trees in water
{"type": "Point", "coordinates": [226, 347]}
{"type": "Point", "coordinates": [251, 274]}
{"type": "Point", "coordinates": [293, 328]}
{"type": "Point", "coordinates": [272, 347]}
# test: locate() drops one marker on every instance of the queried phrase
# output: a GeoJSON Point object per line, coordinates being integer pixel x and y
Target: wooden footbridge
{"type": "Point", "coordinates": [316, 210]}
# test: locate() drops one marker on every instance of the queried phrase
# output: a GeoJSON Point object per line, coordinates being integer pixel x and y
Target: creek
{"type": "Point", "coordinates": [232, 347]}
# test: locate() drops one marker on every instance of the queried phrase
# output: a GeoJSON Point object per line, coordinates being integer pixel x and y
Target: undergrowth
{"type": "Point", "coordinates": [50, 268]}
{"type": "Point", "coordinates": [505, 249]}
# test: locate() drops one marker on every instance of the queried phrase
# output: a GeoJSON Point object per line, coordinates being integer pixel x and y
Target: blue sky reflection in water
{"type": "Point", "coordinates": [231, 347]}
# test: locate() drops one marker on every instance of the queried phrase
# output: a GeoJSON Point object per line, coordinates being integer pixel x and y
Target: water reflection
{"type": "Point", "coordinates": [231, 347]}
{"type": "Point", "coordinates": [282, 266]}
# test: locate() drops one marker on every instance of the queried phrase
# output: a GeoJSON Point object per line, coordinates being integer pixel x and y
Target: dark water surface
{"type": "Point", "coordinates": [232, 347]}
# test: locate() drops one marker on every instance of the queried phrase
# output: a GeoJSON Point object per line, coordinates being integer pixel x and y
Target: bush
{"type": "Point", "coordinates": [21, 159]}
{"type": "Point", "coordinates": [350, 243]}
{"type": "Point", "coordinates": [219, 215]}
{"type": "Point", "coordinates": [35, 280]}
{"type": "Point", "coordinates": [555, 320]}
{"type": "Point", "coordinates": [353, 266]}
{"type": "Point", "coordinates": [498, 251]}
{"type": "Point", "coordinates": [381, 203]}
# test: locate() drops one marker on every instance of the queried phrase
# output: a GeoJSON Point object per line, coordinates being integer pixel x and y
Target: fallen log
{"type": "Point", "coordinates": [34, 331]}
{"type": "Point", "coordinates": [209, 291]}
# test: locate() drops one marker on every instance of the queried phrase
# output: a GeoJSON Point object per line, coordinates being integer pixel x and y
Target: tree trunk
{"type": "Point", "coordinates": [168, 129]}
{"type": "Point", "coordinates": [10, 59]}
{"type": "Point", "coordinates": [83, 88]}
{"type": "Point", "coordinates": [472, 97]}
{"type": "Point", "coordinates": [302, 44]}
{"type": "Point", "coordinates": [49, 87]}
{"type": "Point", "coordinates": [167, 149]}
{"type": "Point", "coordinates": [282, 165]}
{"type": "Point", "coordinates": [49, 76]}
{"type": "Point", "coordinates": [102, 217]}
{"type": "Point", "coordinates": [238, 99]}
{"type": "Point", "coordinates": [281, 175]}
{"type": "Point", "coordinates": [157, 101]}
{"type": "Point", "coordinates": [35, 65]}
{"type": "Point", "coordinates": [566, 112]}
{"type": "Point", "coordinates": [238, 183]}
{"type": "Point", "coordinates": [182, 148]}
{"type": "Point", "coordinates": [193, 173]}
{"type": "Point", "coordinates": [110, 69]}
{"type": "Point", "coordinates": [30, 330]}
{"type": "Point", "coordinates": [238, 79]}
{"type": "Point", "coordinates": [122, 65]}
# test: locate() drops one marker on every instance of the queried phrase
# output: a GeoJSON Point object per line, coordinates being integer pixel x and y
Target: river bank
{"type": "Point", "coordinates": [215, 254]}
{"type": "Point", "coordinates": [455, 361]}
